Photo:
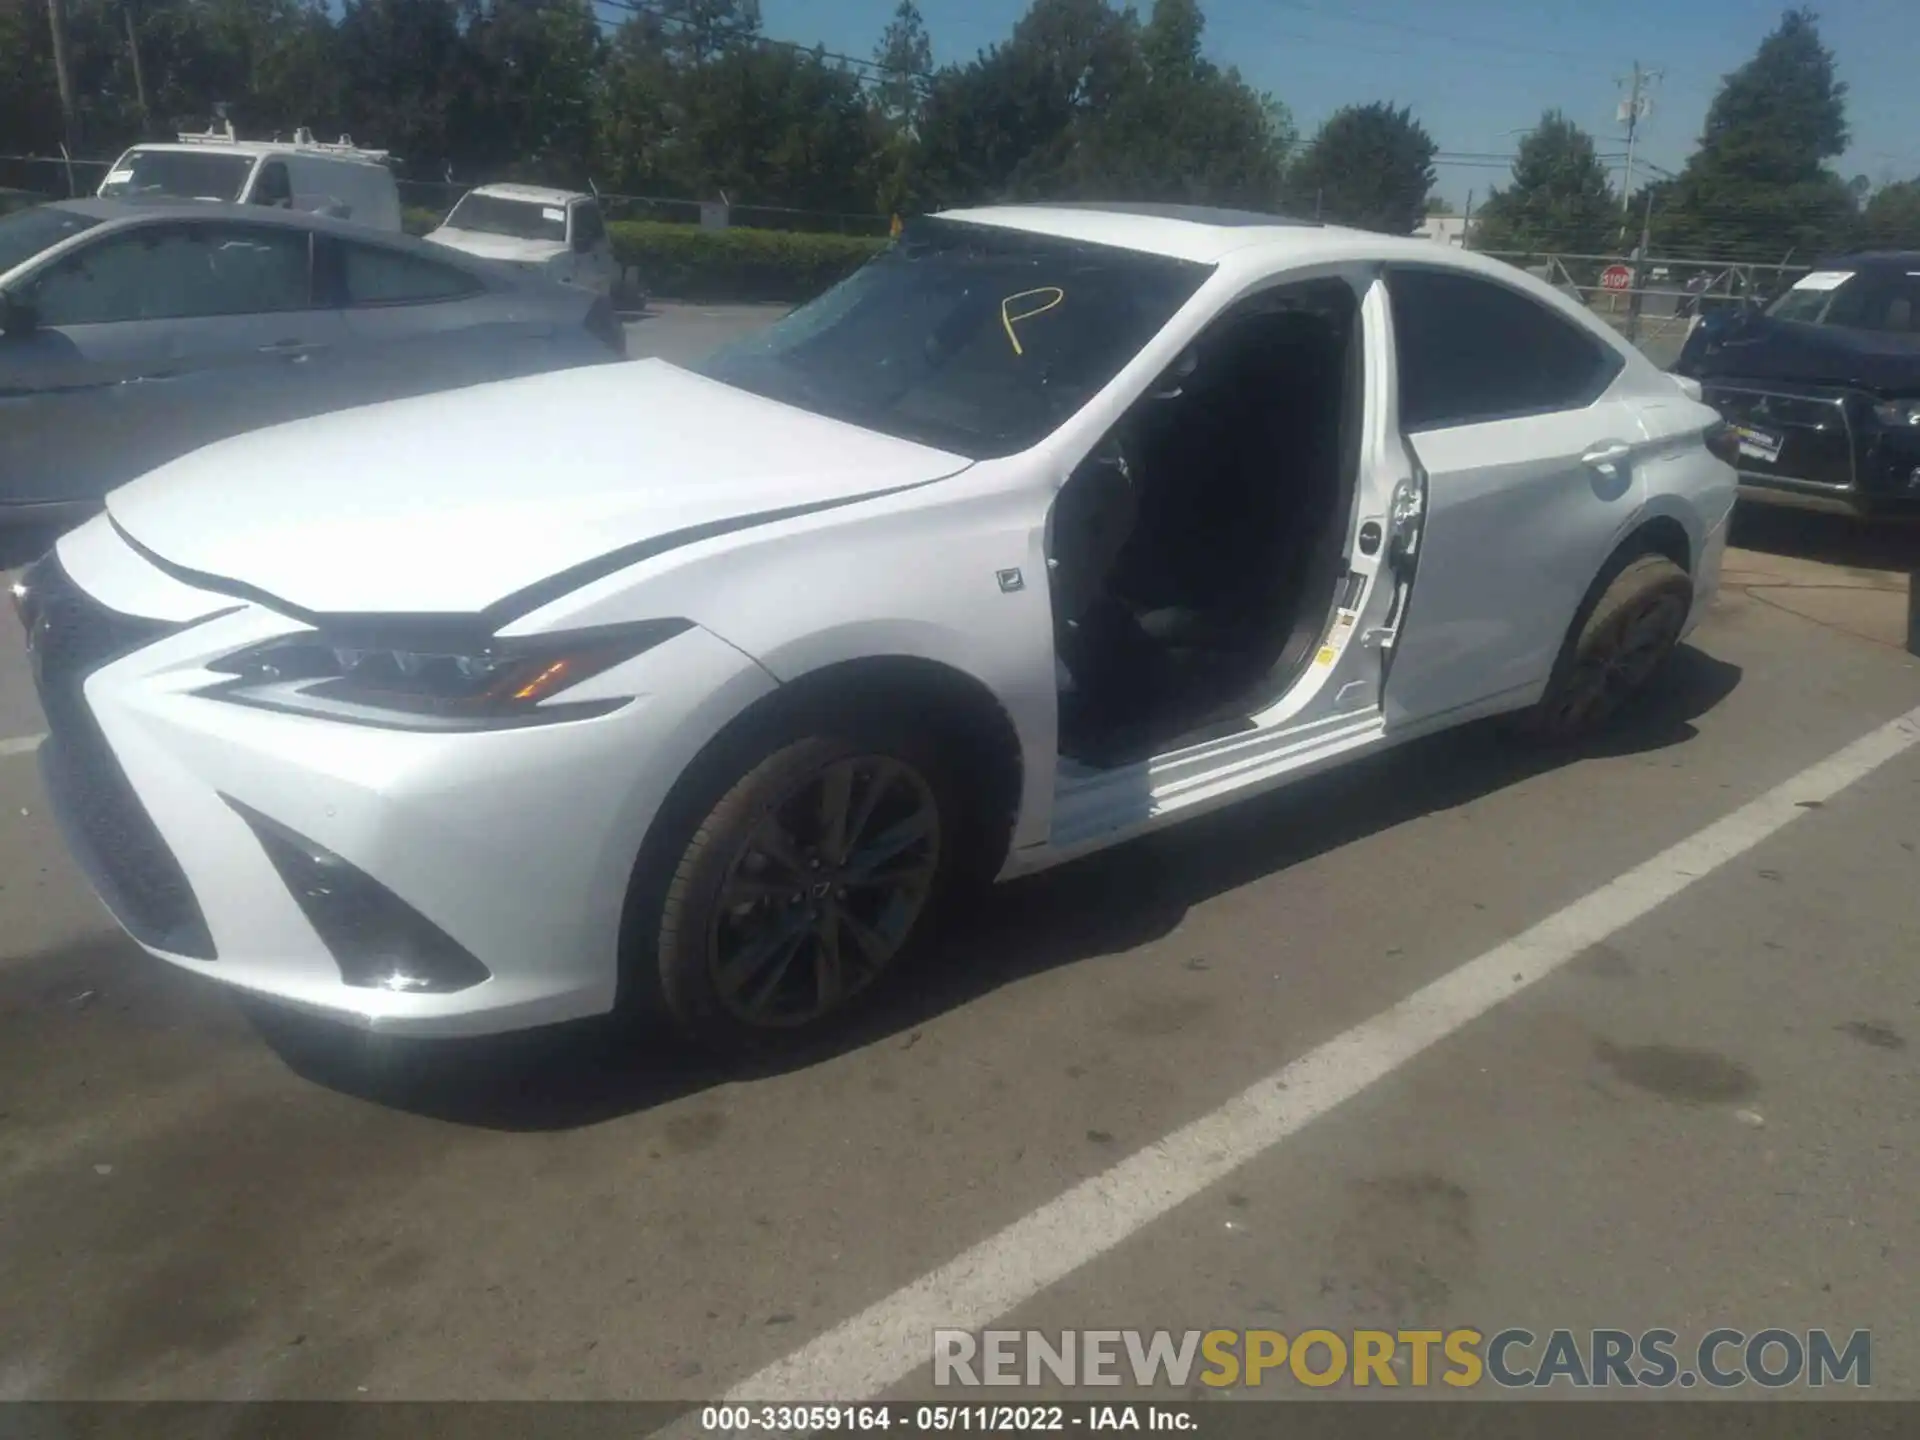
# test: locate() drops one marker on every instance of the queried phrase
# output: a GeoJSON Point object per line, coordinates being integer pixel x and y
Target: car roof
{"type": "Point", "coordinates": [107, 208]}
{"type": "Point", "coordinates": [535, 194]}
{"type": "Point", "coordinates": [253, 149]}
{"type": "Point", "coordinates": [1905, 259]}
{"type": "Point", "coordinates": [1206, 235]}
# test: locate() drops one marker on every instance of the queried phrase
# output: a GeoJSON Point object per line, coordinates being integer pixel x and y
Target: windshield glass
{"type": "Point", "coordinates": [520, 219]}
{"type": "Point", "coordinates": [973, 339]}
{"type": "Point", "coordinates": [25, 233]}
{"type": "Point", "coordinates": [1882, 300]}
{"type": "Point", "coordinates": [181, 174]}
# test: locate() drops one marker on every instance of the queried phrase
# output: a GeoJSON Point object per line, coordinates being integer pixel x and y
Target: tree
{"type": "Point", "coordinates": [1179, 129]}
{"type": "Point", "coordinates": [1559, 198]}
{"type": "Point", "coordinates": [1891, 220]}
{"type": "Point", "coordinates": [904, 58]}
{"type": "Point", "coordinates": [1370, 166]}
{"type": "Point", "coordinates": [1758, 187]}
{"type": "Point", "coordinates": [535, 63]}
{"type": "Point", "coordinates": [1003, 125]}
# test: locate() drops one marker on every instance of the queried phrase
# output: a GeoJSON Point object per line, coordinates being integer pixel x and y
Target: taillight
{"type": "Point", "coordinates": [1724, 443]}
{"type": "Point", "coordinates": [605, 326]}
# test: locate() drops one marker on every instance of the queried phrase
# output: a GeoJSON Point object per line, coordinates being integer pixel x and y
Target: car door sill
{"type": "Point", "coordinates": [1094, 808]}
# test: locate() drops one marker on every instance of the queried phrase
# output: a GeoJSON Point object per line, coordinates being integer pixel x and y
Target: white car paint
{"type": "Point", "coordinates": [583, 257]}
{"type": "Point", "coordinates": [791, 543]}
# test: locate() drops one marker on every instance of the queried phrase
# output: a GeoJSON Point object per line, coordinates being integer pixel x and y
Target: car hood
{"type": "Point", "coordinates": [499, 247]}
{"type": "Point", "coordinates": [1751, 346]}
{"type": "Point", "coordinates": [456, 502]}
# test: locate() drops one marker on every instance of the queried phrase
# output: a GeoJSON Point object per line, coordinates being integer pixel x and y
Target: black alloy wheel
{"type": "Point", "coordinates": [823, 890]}
{"type": "Point", "coordinates": [1630, 633]}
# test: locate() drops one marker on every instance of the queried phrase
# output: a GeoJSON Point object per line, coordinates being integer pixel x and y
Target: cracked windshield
{"type": "Point", "coordinates": [825, 716]}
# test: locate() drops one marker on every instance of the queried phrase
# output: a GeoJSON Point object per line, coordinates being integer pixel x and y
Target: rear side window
{"type": "Point", "coordinates": [177, 272]}
{"type": "Point", "coordinates": [375, 275]}
{"type": "Point", "coordinates": [588, 228]}
{"type": "Point", "coordinates": [1471, 351]}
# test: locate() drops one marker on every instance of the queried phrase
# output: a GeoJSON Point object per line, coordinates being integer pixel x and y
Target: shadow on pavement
{"type": "Point", "coordinates": [583, 1074]}
{"type": "Point", "coordinates": [1882, 544]}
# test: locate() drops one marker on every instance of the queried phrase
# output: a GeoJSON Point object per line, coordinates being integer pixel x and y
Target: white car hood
{"type": "Point", "coordinates": [450, 503]}
{"type": "Point", "coordinates": [499, 247]}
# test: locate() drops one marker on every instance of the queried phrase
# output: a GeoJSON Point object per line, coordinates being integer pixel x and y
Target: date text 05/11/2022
{"type": "Point", "coordinates": [981, 1419]}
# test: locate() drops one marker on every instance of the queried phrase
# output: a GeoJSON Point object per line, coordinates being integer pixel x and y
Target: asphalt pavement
{"type": "Point", "coordinates": [1694, 1104]}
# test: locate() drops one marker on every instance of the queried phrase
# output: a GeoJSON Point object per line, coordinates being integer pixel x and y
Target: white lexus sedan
{"type": "Point", "coordinates": [699, 688]}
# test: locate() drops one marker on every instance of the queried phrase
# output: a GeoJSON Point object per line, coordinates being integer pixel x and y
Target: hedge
{"type": "Point", "coordinates": [688, 262]}
{"type": "Point", "coordinates": [418, 220]}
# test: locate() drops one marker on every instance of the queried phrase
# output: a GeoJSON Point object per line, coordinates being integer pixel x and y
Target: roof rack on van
{"type": "Point", "coordinates": [303, 137]}
{"type": "Point", "coordinates": [210, 136]}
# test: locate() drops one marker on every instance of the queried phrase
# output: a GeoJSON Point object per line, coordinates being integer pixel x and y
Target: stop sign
{"type": "Point", "coordinates": [1616, 277]}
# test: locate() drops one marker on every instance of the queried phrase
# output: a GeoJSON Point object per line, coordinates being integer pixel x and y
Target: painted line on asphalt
{"type": "Point", "coordinates": [864, 1356]}
{"type": "Point", "coordinates": [20, 745]}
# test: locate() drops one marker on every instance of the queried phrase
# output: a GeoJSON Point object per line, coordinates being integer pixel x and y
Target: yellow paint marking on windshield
{"type": "Point", "coordinates": [1008, 316]}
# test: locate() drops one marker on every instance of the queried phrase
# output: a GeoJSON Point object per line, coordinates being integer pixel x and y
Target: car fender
{"type": "Point", "coordinates": [952, 572]}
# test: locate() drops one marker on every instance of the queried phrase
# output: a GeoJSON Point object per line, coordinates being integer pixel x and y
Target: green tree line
{"type": "Point", "coordinates": [1084, 99]}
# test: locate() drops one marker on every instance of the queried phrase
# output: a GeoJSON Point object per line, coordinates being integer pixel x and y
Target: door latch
{"type": "Point", "coordinates": [1370, 538]}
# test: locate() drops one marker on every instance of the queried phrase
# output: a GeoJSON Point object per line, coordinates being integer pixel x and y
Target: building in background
{"type": "Point", "coordinates": [1447, 229]}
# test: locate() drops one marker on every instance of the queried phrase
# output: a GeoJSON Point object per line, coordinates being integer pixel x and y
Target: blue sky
{"type": "Point", "coordinates": [1475, 71]}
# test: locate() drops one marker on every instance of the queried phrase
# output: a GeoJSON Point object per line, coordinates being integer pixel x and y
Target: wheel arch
{"type": "Point", "coordinates": [961, 707]}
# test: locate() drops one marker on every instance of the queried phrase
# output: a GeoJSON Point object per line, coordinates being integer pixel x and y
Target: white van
{"type": "Point", "coordinates": [341, 180]}
{"type": "Point", "coordinates": [559, 233]}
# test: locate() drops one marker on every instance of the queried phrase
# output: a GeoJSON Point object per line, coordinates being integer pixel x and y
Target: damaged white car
{"type": "Point", "coordinates": [698, 688]}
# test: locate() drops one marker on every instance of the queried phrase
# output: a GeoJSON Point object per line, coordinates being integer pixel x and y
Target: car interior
{"type": "Point", "coordinates": [1196, 555]}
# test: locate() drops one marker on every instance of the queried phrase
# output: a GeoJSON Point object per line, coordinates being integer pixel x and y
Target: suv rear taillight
{"type": "Point", "coordinates": [605, 326]}
{"type": "Point", "coordinates": [1724, 443]}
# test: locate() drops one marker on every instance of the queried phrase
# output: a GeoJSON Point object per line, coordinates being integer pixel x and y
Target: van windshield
{"type": "Point", "coordinates": [518, 219]}
{"type": "Point", "coordinates": [180, 174]}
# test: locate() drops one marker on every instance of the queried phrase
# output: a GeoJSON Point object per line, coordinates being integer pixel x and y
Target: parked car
{"type": "Point", "coordinates": [704, 687]}
{"type": "Point", "coordinates": [131, 333]}
{"type": "Point", "coordinates": [340, 181]}
{"type": "Point", "coordinates": [1823, 387]}
{"type": "Point", "coordinates": [558, 233]}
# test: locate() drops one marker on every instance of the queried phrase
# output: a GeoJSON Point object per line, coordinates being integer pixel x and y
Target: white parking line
{"type": "Point", "coordinates": [863, 1356]}
{"type": "Point", "coordinates": [20, 745]}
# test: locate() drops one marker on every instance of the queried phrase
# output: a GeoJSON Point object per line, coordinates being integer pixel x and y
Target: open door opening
{"type": "Point", "coordinates": [1197, 555]}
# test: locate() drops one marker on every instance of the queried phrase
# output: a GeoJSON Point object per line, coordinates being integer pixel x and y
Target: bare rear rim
{"type": "Point", "coordinates": [824, 891]}
{"type": "Point", "coordinates": [1619, 660]}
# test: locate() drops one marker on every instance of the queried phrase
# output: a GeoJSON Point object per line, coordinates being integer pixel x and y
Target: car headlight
{"type": "Point", "coordinates": [495, 684]}
{"type": "Point", "coordinates": [1898, 413]}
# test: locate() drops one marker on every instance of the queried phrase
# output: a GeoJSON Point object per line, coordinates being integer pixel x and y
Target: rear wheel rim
{"type": "Point", "coordinates": [824, 892]}
{"type": "Point", "coordinates": [1624, 658]}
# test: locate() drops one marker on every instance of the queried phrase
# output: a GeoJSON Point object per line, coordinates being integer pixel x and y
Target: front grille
{"type": "Point", "coordinates": [70, 635]}
{"type": "Point", "coordinates": [1816, 436]}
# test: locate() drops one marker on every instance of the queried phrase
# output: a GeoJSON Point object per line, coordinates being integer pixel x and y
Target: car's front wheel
{"type": "Point", "coordinates": [802, 885]}
{"type": "Point", "coordinates": [1623, 640]}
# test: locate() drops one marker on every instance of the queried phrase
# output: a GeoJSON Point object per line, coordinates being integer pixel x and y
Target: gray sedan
{"type": "Point", "coordinates": [132, 332]}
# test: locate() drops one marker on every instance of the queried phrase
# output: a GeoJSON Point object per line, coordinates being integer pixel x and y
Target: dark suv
{"type": "Point", "coordinates": [1822, 387]}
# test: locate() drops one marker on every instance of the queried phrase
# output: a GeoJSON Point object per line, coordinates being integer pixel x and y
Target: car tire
{"type": "Point", "coordinates": [748, 949]}
{"type": "Point", "coordinates": [1620, 643]}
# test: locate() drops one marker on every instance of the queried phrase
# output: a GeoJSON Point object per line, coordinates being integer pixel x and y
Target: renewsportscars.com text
{"type": "Point", "coordinates": [1459, 1358]}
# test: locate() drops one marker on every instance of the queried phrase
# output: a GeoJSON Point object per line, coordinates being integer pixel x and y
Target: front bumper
{"type": "Point", "coordinates": [1834, 455]}
{"type": "Point", "coordinates": [516, 845]}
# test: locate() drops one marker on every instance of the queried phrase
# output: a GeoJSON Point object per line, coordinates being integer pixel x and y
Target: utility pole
{"type": "Point", "coordinates": [1633, 110]}
{"type": "Point", "coordinates": [139, 73]}
{"type": "Point", "coordinates": [57, 22]}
